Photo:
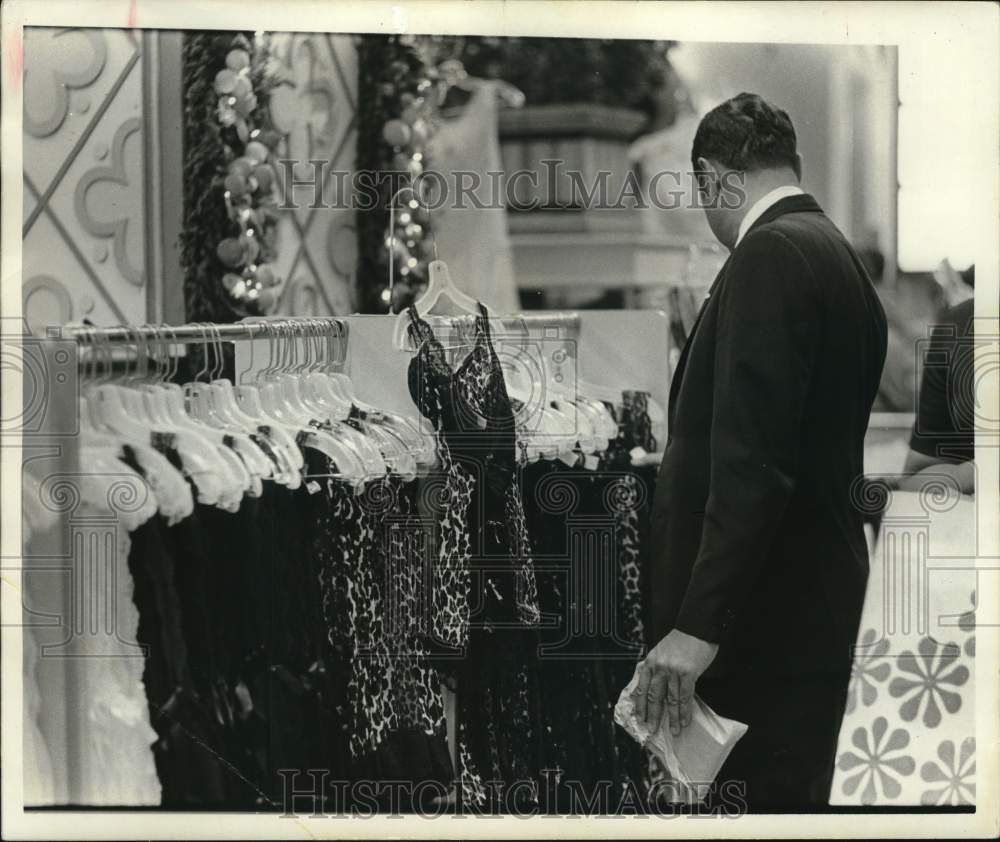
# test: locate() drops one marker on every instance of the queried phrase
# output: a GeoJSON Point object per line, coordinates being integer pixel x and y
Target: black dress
{"type": "Point", "coordinates": [586, 528]}
{"type": "Point", "coordinates": [484, 601]}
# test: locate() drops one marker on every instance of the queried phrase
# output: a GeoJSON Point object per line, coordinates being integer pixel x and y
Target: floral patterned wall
{"type": "Point", "coordinates": [908, 737]}
{"type": "Point", "coordinates": [91, 234]}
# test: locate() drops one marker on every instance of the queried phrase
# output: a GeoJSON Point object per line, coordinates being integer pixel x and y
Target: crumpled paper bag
{"type": "Point", "coordinates": [694, 757]}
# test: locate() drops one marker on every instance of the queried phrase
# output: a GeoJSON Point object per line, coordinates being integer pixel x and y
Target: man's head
{"type": "Point", "coordinates": [743, 148]}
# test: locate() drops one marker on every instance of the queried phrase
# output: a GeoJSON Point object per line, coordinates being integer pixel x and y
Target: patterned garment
{"type": "Point", "coordinates": [370, 572]}
{"type": "Point", "coordinates": [484, 604]}
{"type": "Point", "coordinates": [629, 500]}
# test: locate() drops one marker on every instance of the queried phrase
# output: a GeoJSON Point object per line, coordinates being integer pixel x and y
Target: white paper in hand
{"type": "Point", "coordinates": [694, 757]}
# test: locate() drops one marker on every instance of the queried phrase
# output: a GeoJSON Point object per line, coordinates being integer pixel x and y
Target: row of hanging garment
{"type": "Point", "coordinates": [248, 590]}
{"type": "Point", "coordinates": [304, 572]}
{"type": "Point", "coordinates": [547, 613]}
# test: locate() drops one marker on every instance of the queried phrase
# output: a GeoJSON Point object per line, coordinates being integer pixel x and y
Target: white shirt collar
{"type": "Point", "coordinates": [762, 204]}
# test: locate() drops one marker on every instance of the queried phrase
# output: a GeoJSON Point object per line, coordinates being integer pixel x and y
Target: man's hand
{"type": "Point", "coordinates": [667, 677]}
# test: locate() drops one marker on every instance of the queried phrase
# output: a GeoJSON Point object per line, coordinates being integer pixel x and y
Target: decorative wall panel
{"type": "Point", "coordinates": [83, 250]}
{"type": "Point", "coordinates": [101, 109]}
{"type": "Point", "coordinates": [316, 112]}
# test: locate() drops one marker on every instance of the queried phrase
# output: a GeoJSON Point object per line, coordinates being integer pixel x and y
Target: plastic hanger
{"type": "Point", "coordinates": [256, 462]}
{"type": "Point", "coordinates": [331, 414]}
{"type": "Point", "coordinates": [441, 297]}
{"type": "Point", "coordinates": [274, 405]}
{"type": "Point", "coordinates": [111, 413]}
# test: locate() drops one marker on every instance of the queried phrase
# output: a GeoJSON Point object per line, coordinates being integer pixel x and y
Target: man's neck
{"type": "Point", "coordinates": [757, 185]}
{"type": "Point", "coordinates": [755, 188]}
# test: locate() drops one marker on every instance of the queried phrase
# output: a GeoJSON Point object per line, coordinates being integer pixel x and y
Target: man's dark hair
{"type": "Point", "coordinates": [746, 133]}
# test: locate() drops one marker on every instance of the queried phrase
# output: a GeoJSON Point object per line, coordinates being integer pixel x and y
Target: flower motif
{"type": "Point", "coordinates": [967, 623]}
{"type": "Point", "coordinates": [958, 776]}
{"type": "Point", "coordinates": [868, 669]}
{"type": "Point", "coordinates": [874, 766]}
{"type": "Point", "coordinates": [932, 670]}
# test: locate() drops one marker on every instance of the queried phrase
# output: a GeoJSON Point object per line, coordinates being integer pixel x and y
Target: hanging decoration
{"type": "Point", "coordinates": [228, 177]}
{"type": "Point", "coordinates": [249, 186]}
{"type": "Point", "coordinates": [397, 91]}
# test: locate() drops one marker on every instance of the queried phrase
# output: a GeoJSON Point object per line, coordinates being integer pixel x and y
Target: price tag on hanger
{"type": "Point", "coordinates": [569, 458]}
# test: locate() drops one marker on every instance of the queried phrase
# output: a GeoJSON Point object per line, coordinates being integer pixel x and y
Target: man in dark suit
{"type": "Point", "coordinates": [758, 562]}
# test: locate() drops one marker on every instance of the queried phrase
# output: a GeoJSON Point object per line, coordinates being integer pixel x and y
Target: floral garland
{"type": "Point", "coordinates": [396, 120]}
{"type": "Point", "coordinates": [249, 185]}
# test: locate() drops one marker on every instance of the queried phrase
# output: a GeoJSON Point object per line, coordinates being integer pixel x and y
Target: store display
{"type": "Point", "coordinates": [309, 574]}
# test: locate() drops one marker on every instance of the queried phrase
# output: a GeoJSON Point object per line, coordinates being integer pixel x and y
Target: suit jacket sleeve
{"type": "Point", "coordinates": [766, 340]}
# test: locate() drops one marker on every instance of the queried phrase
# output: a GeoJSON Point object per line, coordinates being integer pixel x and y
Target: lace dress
{"type": "Point", "coordinates": [484, 600]}
{"type": "Point", "coordinates": [38, 520]}
{"type": "Point", "coordinates": [586, 528]}
{"type": "Point", "coordinates": [116, 765]}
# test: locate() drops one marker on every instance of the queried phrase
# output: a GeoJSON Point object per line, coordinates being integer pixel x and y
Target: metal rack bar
{"type": "Point", "coordinates": [516, 321]}
{"type": "Point", "coordinates": [263, 328]}
{"type": "Point", "coordinates": [206, 333]}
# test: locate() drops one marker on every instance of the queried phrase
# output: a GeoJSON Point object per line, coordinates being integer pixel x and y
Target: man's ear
{"type": "Point", "coordinates": [798, 166]}
{"type": "Point", "coordinates": [707, 178]}
{"type": "Point", "coordinates": [704, 165]}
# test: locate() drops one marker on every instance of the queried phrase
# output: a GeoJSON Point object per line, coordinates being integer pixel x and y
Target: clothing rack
{"type": "Point", "coordinates": [280, 327]}
{"type": "Point", "coordinates": [60, 588]}
{"type": "Point", "coordinates": [206, 332]}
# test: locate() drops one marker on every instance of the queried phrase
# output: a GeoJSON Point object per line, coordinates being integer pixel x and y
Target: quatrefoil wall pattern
{"type": "Point", "coordinates": [316, 112]}
{"type": "Point", "coordinates": [110, 215]}
{"type": "Point", "coordinates": [92, 174]}
{"type": "Point", "coordinates": [85, 176]}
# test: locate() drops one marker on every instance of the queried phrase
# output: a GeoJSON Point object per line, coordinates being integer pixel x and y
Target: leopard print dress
{"type": "Point", "coordinates": [484, 600]}
{"type": "Point", "coordinates": [370, 577]}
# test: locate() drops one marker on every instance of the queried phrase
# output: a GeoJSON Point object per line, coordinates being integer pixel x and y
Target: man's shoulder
{"type": "Point", "coordinates": [797, 225]}
{"type": "Point", "coordinates": [809, 237]}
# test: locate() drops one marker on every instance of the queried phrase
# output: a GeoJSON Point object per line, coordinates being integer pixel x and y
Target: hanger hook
{"type": "Point", "coordinates": [216, 337]}
{"type": "Point", "coordinates": [155, 352]}
{"type": "Point", "coordinates": [344, 336]}
{"type": "Point", "coordinates": [250, 341]}
{"type": "Point", "coordinates": [265, 372]}
{"type": "Point", "coordinates": [315, 344]}
{"type": "Point", "coordinates": [176, 358]}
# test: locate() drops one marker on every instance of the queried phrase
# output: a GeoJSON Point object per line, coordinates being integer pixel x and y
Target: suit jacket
{"type": "Point", "coordinates": [756, 540]}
